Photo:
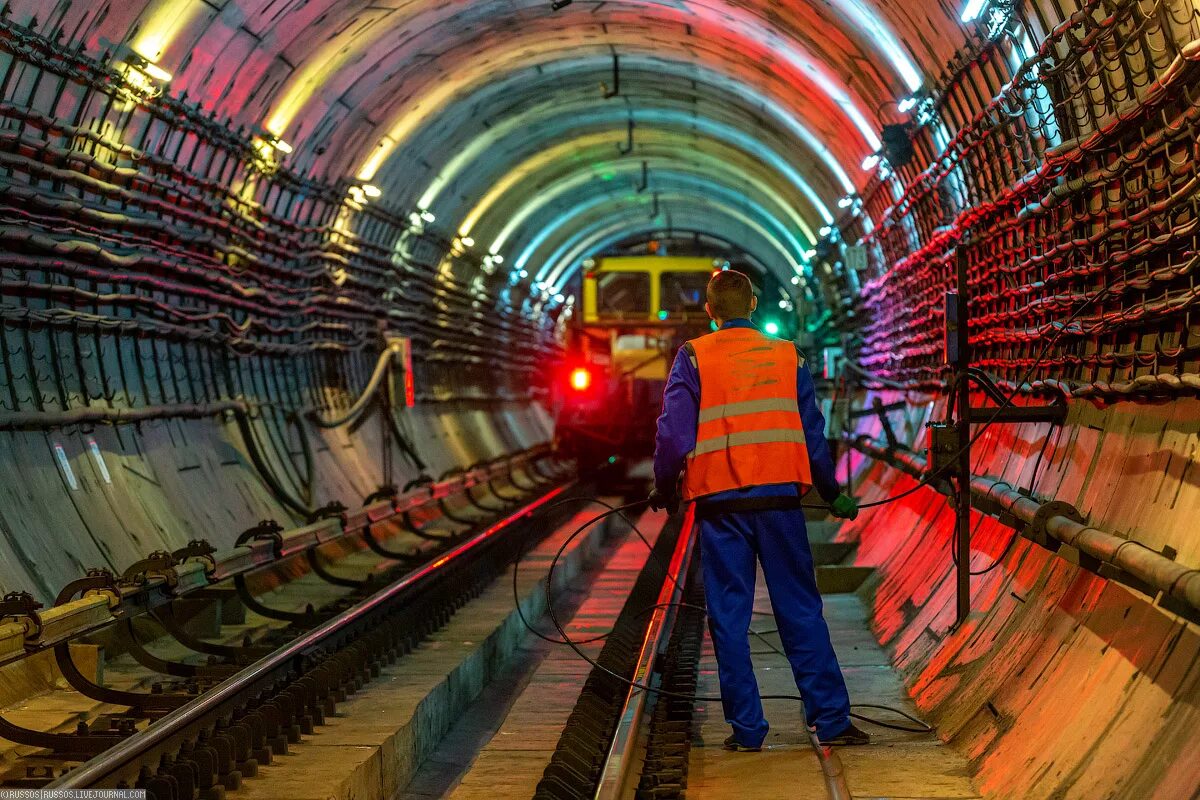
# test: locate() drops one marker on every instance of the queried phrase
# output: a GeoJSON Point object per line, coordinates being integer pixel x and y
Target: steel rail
{"type": "Point", "coordinates": [618, 778]}
{"type": "Point", "coordinates": [109, 768]}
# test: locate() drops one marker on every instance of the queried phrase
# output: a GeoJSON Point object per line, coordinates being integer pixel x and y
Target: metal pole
{"type": "Point", "coordinates": [962, 511]}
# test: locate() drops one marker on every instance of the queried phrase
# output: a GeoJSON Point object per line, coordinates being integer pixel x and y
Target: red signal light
{"type": "Point", "coordinates": [581, 379]}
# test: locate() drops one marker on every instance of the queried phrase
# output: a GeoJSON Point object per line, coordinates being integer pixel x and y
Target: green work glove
{"type": "Point", "coordinates": [844, 507]}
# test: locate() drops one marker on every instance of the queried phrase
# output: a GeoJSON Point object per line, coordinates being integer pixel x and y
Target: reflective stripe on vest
{"type": "Point", "coordinates": [749, 430]}
{"type": "Point", "coordinates": [747, 437]}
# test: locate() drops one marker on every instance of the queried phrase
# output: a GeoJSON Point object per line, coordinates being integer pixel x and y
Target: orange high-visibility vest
{"type": "Point", "coordinates": [749, 432]}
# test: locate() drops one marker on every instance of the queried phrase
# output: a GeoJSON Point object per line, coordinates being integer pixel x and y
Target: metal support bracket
{"type": "Point", "coordinates": [1055, 412]}
{"type": "Point", "coordinates": [197, 548]}
{"type": "Point", "coordinates": [322, 572]}
{"type": "Point", "coordinates": [377, 547]}
{"type": "Point", "coordinates": [78, 746]}
{"type": "Point", "coordinates": [244, 654]}
{"type": "Point", "coordinates": [331, 510]}
{"type": "Point", "coordinates": [453, 517]}
{"type": "Point", "coordinates": [388, 492]}
{"type": "Point", "coordinates": [177, 669]}
{"type": "Point", "coordinates": [22, 605]}
{"type": "Point", "coordinates": [485, 508]}
{"type": "Point", "coordinates": [419, 530]}
{"type": "Point", "coordinates": [266, 529]}
{"type": "Point", "coordinates": [141, 703]}
{"type": "Point", "coordinates": [159, 564]}
{"type": "Point", "coordinates": [251, 602]}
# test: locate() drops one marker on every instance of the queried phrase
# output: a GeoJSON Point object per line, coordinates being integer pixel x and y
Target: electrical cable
{"type": "Point", "coordinates": [1008, 401]}
{"type": "Point", "coordinates": [1016, 535]}
{"type": "Point", "coordinates": [575, 644]}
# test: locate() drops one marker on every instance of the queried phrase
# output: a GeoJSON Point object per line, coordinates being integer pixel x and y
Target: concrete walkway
{"type": "Point", "coordinates": [500, 748]}
{"type": "Point", "coordinates": [895, 765]}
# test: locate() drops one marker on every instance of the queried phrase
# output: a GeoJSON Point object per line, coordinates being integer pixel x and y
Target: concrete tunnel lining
{"type": "Point", "coordinates": [159, 258]}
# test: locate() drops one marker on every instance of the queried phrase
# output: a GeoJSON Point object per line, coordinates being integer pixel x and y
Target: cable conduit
{"type": "Point", "coordinates": [1156, 571]}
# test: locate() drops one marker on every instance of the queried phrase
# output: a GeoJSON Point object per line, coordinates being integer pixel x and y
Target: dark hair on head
{"type": "Point", "coordinates": [729, 294]}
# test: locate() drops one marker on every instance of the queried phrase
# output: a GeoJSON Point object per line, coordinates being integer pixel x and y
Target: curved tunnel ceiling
{"type": "Point", "coordinates": [510, 123]}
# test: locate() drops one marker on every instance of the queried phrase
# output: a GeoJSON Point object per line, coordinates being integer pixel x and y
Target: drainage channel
{"type": "Point", "coordinates": [205, 747]}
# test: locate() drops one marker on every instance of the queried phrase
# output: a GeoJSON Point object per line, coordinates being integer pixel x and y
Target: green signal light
{"type": "Point", "coordinates": [612, 459]}
{"type": "Point", "coordinates": [662, 315]}
{"type": "Point", "coordinates": [772, 328]}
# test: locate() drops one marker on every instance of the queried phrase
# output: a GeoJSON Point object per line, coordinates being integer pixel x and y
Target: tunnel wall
{"type": "Point", "coordinates": [1061, 684]}
{"type": "Point", "coordinates": [177, 307]}
{"type": "Point", "coordinates": [159, 484]}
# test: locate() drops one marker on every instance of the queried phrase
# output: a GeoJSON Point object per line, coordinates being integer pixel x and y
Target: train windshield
{"type": "Point", "coordinates": [684, 291]}
{"type": "Point", "coordinates": [623, 294]}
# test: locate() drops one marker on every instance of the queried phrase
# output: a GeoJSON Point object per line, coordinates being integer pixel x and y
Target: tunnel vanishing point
{"type": "Point", "coordinates": [278, 274]}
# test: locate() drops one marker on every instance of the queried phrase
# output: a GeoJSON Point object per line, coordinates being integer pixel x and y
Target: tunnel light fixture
{"type": "Point", "coordinates": [523, 273]}
{"type": "Point", "coordinates": [973, 9]}
{"type": "Point", "coordinates": [870, 162]}
{"type": "Point", "coordinates": [155, 71]}
{"type": "Point", "coordinates": [269, 150]}
{"type": "Point", "coordinates": [926, 111]}
{"type": "Point", "coordinates": [998, 24]}
{"type": "Point", "coordinates": [361, 193]}
{"type": "Point", "coordinates": [795, 280]}
{"type": "Point", "coordinates": [427, 216]}
{"type": "Point", "coordinates": [846, 201]}
{"type": "Point", "coordinates": [825, 230]}
{"type": "Point", "coordinates": [142, 78]}
{"type": "Point", "coordinates": [492, 262]}
{"type": "Point", "coordinates": [277, 144]}
{"type": "Point", "coordinates": [771, 328]}
{"type": "Point", "coordinates": [560, 298]}
{"type": "Point", "coordinates": [907, 104]}
{"type": "Point", "coordinates": [467, 241]}
{"type": "Point", "coordinates": [810, 254]}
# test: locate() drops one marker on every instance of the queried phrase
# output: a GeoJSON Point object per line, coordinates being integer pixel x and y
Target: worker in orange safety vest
{"type": "Point", "coordinates": [741, 424]}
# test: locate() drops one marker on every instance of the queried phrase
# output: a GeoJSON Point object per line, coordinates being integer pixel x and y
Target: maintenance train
{"type": "Point", "coordinates": [637, 311]}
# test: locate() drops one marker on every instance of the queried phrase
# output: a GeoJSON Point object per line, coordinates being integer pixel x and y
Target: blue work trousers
{"type": "Point", "coordinates": [730, 544]}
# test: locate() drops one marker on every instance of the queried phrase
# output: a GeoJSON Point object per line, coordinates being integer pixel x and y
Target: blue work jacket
{"type": "Point", "coordinates": [680, 419]}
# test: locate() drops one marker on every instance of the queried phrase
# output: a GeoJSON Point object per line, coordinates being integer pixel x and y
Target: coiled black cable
{"type": "Point", "coordinates": [575, 644]}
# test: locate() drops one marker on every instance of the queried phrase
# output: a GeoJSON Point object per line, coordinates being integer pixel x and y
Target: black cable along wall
{"type": "Point", "coordinates": [155, 260]}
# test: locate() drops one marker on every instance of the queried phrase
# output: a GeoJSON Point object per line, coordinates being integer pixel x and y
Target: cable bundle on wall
{"type": "Point", "coordinates": [156, 264]}
{"type": "Point", "coordinates": [1078, 172]}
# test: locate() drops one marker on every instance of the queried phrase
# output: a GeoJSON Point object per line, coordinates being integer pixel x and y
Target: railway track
{"type": "Point", "coordinates": [214, 721]}
{"type": "Point", "coordinates": [624, 742]}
